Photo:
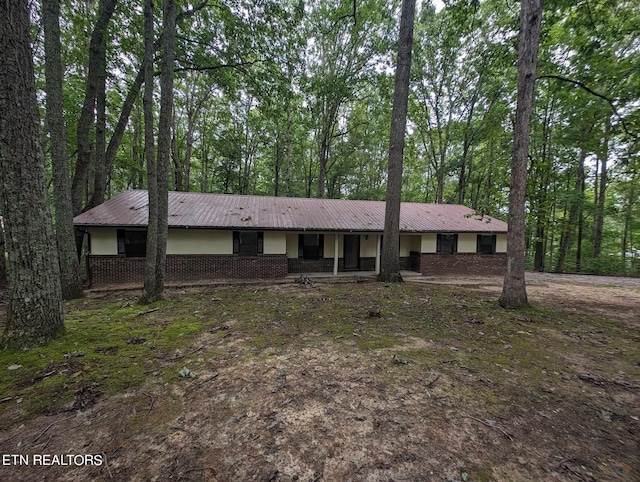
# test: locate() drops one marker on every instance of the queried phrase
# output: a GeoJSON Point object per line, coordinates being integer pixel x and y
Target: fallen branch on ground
{"type": "Point", "coordinates": [152, 401]}
{"type": "Point", "coordinates": [432, 382]}
{"type": "Point", "coordinates": [601, 381]}
{"type": "Point", "coordinates": [140, 313]}
{"type": "Point", "coordinates": [492, 425]}
{"type": "Point", "coordinates": [51, 425]}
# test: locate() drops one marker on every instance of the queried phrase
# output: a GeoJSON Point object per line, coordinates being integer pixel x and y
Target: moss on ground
{"type": "Point", "coordinates": [110, 347]}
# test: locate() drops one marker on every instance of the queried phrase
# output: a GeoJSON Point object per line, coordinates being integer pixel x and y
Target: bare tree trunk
{"type": "Point", "coordinates": [156, 261]}
{"type": "Point", "coordinates": [100, 164]}
{"type": "Point", "coordinates": [175, 157]}
{"type": "Point", "coordinates": [164, 133]}
{"type": "Point", "coordinates": [34, 313]}
{"type": "Point", "coordinates": [149, 148]}
{"type": "Point", "coordinates": [514, 293]}
{"type": "Point", "coordinates": [288, 169]}
{"type": "Point", "coordinates": [3, 254]}
{"type": "Point", "coordinates": [87, 116]}
{"type": "Point", "coordinates": [65, 237]}
{"type": "Point", "coordinates": [566, 240]}
{"type": "Point", "coordinates": [390, 262]}
{"type": "Point", "coordinates": [600, 202]}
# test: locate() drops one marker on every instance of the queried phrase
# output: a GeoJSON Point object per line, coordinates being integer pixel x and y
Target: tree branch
{"type": "Point", "coordinates": [595, 94]}
{"type": "Point", "coordinates": [339, 19]}
{"type": "Point", "coordinates": [189, 13]}
{"type": "Point", "coordinates": [202, 68]}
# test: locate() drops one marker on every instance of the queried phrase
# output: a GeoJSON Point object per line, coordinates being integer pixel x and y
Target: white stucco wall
{"type": "Point", "coordinates": [292, 245]}
{"type": "Point", "coordinates": [199, 241]}
{"type": "Point", "coordinates": [410, 242]}
{"type": "Point", "coordinates": [429, 243]}
{"type": "Point", "coordinates": [104, 241]}
{"type": "Point", "coordinates": [467, 242]}
{"type": "Point", "coordinates": [368, 246]}
{"type": "Point", "coordinates": [329, 240]}
{"type": "Point", "coordinates": [275, 242]}
{"type": "Point", "coordinates": [501, 243]}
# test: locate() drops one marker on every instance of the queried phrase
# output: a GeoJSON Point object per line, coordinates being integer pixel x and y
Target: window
{"type": "Point", "coordinates": [248, 243]}
{"type": "Point", "coordinates": [132, 244]}
{"type": "Point", "coordinates": [486, 244]}
{"type": "Point", "coordinates": [447, 244]}
{"type": "Point", "coordinates": [310, 246]}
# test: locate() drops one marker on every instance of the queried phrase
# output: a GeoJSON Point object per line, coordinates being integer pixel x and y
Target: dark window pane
{"type": "Point", "coordinates": [135, 244]}
{"type": "Point", "coordinates": [447, 243]}
{"type": "Point", "coordinates": [236, 242]}
{"type": "Point", "coordinates": [121, 241]}
{"type": "Point", "coordinates": [248, 243]}
{"type": "Point", "coordinates": [486, 243]}
{"type": "Point", "coordinates": [311, 246]}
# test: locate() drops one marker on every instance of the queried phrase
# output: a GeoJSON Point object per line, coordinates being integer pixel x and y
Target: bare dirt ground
{"type": "Point", "coordinates": [442, 386]}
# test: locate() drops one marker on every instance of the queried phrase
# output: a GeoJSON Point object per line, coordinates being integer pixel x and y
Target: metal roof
{"type": "Point", "coordinates": [227, 211]}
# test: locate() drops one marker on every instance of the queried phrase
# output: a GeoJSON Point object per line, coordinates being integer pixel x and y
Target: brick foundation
{"type": "Point", "coordinates": [119, 270]}
{"type": "Point", "coordinates": [325, 265]}
{"type": "Point", "coordinates": [463, 263]}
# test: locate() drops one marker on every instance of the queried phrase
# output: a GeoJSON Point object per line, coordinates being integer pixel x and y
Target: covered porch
{"type": "Point", "coordinates": [346, 252]}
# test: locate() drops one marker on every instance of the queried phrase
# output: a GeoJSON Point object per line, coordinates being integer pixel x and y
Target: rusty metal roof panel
{"type": "Point", "coordinates": [227, 211]}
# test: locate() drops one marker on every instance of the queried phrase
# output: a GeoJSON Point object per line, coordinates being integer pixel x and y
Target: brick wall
{"type": "Point", "coordinates": [120, 270]}
{"type": "Point", "coordinates": [463, 263]}
{"type": "Point", "coordinates": [325, 265]}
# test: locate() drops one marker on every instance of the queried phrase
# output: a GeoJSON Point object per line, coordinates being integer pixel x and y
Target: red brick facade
{"type": "Point", "coordinates": [119, 269]}
{"type": "Point", "coordinates": [463, 263]}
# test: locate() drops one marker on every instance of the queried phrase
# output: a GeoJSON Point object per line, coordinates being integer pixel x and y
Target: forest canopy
{"type": "Point", "coordinates": [293, 98]}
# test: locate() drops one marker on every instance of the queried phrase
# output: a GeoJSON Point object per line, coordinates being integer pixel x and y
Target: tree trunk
{"type": "Point", "coordinates": [514, 293]}
{"type": "Point", "coordinates": [34, 313]}
{"type": "Point", "coordinates": [566, 240]}
{"type": "Point", "coordinates": [580, 224]}
{"type": "Point", "coordinates": [65, 237]}
{"type": "Point", "coordinates": [100, 169]}
{"type": "Point", "coordinates": [164, 134]}
{"type": "Point", "coordinates": [288, 169]}
{"type": "Point", "coordinates": [175, 157]}
{"type": "Point", "coordinates": [390, 262]}
{"type": "Point", "coordinates": [154, 282]}
{"type": "Point", "coordinates": [149, 150]}
{"type": "Point", "coordinates": [600, 202]}
{"type": "Point", "coordinates": [3, 255]}
{"type": "Point", "coordinates": [86, 120]}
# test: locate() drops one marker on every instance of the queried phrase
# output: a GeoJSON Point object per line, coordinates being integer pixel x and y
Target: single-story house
{"type": "Point", "coordinates": [231, 236]}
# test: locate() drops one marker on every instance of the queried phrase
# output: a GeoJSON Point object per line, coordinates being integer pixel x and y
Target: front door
{"type": "Point", "coordinates": [351, 252]}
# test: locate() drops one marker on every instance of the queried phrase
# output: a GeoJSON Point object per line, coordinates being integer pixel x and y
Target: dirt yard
{"type": "Point", "coordinates": [425, 381]}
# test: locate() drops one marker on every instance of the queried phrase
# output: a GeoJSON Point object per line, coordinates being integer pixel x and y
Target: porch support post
{"type": "Point", "coordinates": [378, 246]}
{"type": "Point", "coordinates": [335, 254]}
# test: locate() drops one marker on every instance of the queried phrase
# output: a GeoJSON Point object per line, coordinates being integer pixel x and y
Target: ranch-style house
{"type": "Point", "coordinates": [231, 236]}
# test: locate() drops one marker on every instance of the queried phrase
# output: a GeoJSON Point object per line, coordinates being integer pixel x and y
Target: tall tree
{"type": "Point", "coordinates": [150, 158]}
{"type": "Point", "coordinates": [156, 260]}
{"type": "Point", "coordinates": [65, 238]}
{"type": "Point", "coordinates": [390, 262]}
{"type": "Point", "coordinates": [97, 47]}
{"type": "Point", "coordinates": [514, 293]}
{"type": "Point", "coordinates": [34, 314]}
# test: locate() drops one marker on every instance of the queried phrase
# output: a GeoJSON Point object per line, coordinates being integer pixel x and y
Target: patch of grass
{"type": "Point", "coordinates": [105, 345]}
{"type": "Point", "coordinates": [447, 329]}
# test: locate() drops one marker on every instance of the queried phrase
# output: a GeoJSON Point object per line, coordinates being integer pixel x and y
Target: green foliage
{"type": "Point", "coordinates": [267, 91]}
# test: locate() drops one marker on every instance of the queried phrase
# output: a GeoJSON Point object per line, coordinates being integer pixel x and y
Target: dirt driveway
{"type": "Point", "coordinates": [424, 381]}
